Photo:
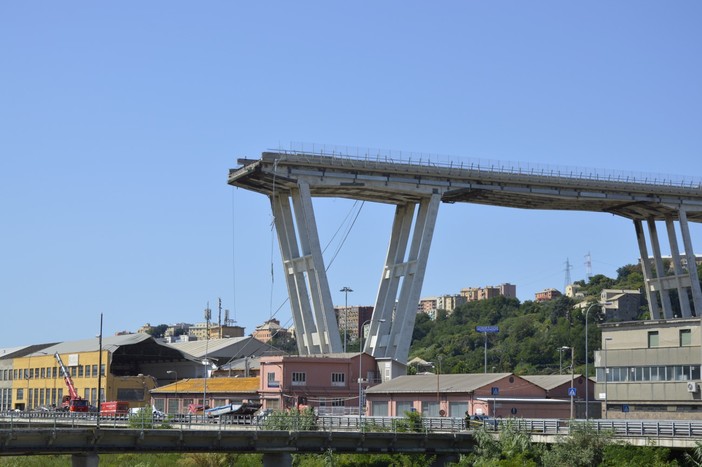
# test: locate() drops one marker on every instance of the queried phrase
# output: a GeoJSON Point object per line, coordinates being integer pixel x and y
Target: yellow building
{"type": "Point", "coordinates": [127, 371]}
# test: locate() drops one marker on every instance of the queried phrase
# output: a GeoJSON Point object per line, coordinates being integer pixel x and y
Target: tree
{"type": "Point", "coordinates": [513, 447]}
{"type": "Point", "coordinates": [583, 447]}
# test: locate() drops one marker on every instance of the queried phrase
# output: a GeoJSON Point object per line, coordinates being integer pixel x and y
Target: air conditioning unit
{"type": "Point", "coordinates": [693, 387]}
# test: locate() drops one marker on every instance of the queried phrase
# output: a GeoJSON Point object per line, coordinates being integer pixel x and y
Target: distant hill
{"type": "Point", "coordinates": [530, 333]}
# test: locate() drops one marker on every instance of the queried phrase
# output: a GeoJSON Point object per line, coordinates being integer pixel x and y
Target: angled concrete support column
{"type": "Point", "coordinates": [660, 279]}
{"type": "Point", "coordinates": [691, 264]}
{"type": "Point", "coordinates": [305, 275]}
{"type": "Point", "coordinates": [646, 268]}
{"type": "Point", "coordinates": [682, 280]}
{"type": "Point", "coordinates": [404, 272]}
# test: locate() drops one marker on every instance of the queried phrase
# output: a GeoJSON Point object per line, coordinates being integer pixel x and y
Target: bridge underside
{"type": "Point", "coordinates": [290, 180]}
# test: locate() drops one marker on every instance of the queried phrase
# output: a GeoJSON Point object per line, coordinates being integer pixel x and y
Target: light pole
{"type": "Point", "coordinates": [572, 377]}
{"type": "Point", "coordinates": [587, 359]}
{"type": "Point", "coordinates": [205, 361]}
{"type": "Point", "coordinates": [175, 379]}
{"type": "Point", "coordinates": [606, 339]}
{"type": "Point", "coordinates": [438, 385]}
{"type": "Point", "coordinates": [560, 358]}
{"type": "Point", "coordinates": [346, 291]}
{"type": "Point", "coordinates": [360, 372]}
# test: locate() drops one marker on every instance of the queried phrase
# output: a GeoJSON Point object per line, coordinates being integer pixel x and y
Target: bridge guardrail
{"type": "Point", "coordinates": [619, 428]}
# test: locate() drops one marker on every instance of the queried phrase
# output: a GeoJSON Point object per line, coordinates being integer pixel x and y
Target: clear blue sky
{"type": "Point", "coordinates": [119, 122]}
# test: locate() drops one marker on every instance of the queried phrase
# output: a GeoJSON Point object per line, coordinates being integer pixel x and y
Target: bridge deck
{"type": "Point", "coordinates": [394, 182]}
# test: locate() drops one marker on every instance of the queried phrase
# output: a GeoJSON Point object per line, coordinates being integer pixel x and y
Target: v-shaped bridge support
{"type": "Point", "coordinates": [392, 324]}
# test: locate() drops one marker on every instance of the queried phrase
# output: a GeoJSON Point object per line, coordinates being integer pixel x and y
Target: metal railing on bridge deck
{"type": "Point", "coordinates": [490, 165]}
{"type": "Point", "coordinates": [620, 428]}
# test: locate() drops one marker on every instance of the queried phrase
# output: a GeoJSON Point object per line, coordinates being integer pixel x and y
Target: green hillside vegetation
{"type": "Point", "coordinates": [530, 333]}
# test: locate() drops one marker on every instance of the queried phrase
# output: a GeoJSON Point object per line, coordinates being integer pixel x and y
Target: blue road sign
{"type": "Point", "coordinates": [487, 328]}
{"type": "Point", "coordinates": [572, 392]}
{"type": "Point", "coordinates": [625, 408]}
{"type": "Point", "coordinates": [495, 391]}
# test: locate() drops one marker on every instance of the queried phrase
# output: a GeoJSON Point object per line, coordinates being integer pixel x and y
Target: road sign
{"type": "Point", "coordinates": [572, 392]}
{"type": "Point", "coordinates": [487, 328]}
{"type": "Point", "coordinates": [494, 391]}
{"type": "Point", "coordinates": [625, 408]}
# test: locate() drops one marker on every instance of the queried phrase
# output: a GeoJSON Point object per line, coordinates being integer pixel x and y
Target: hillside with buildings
{"type": "Point", "coordinates": [531, 335]}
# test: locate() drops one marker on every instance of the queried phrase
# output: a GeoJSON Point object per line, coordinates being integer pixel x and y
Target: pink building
{"type": "Point", "coordinates": [546, 295]}
{"type": "Point", "coordinates": [327, 383]}
{"type": "Point", "coordinates": [455, 395]}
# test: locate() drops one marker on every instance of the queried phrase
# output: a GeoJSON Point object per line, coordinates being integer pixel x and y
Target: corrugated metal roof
{"type": "Point", "coordinates": [549, 382]}
{"type": "Point", "coordinates": [428, 383]}
{"type": "Point", "coordinates": [111, 343]}
{"type": "Point", "coordinates": [222, 348]}
{"type": "Point", "coordinates": [214, 385]}
{"type": "Point", "coordinates": [252, 363]}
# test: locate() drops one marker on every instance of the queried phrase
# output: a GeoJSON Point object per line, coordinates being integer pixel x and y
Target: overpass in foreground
{"type": "Point", "coordinates": [290, 179]}
{"type": "Point", "coordinates": [445, 438]}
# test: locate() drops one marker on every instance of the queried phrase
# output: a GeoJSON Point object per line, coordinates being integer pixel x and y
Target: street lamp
{"type": "Point", "coordinates": [205, 361]}
{"type": "Point", "coordinates": [360, 372]}
{"type": "Point", "coordinates": [572, 376]}
{"type": "Point", "coordinates": [346, 291]}
{"type": "Point", "coordinates": [560, 358]}
{"type": "Point", "coordinates": [438, 385]}
{"type": "Point", "coordinates": [606, 339]}
{"type": "Point", "coordinates": [587, 359]}
{"type": "Point", "coordinates": [175, 379]}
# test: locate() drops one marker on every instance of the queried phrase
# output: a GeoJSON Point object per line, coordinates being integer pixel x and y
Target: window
{"type": "Point", "coordinates": [458, 409]}
{"type": "Point", "coordinates": [54, 372]}
{"type": "Point", "coordinates": [80, 372]}
{"type": "Point", "coordinates": [299, 378]}
{"type": "Point", "coordinates": [685, 337]}
{"type": "Point", "coordinates": [272, 383]}
{"type": "Point", "coordinates": [430, 409]}
{"type": "Point", "coordinates": [20, 394]}
{"type": "Point", "coordinates": [652, 339]}
{"type": "Point", "coordinates": [338, 379]}
{"type": "Point", "coordinates": [95, 371]}
{"type": "Point", "coordinates": [172, 405]}
{"type": "Point", "coordinates": [379, 409]}
{"type": "Point", "coordinates": [403, 406]}
{"type": "Point", "coordinates": [43, 375]}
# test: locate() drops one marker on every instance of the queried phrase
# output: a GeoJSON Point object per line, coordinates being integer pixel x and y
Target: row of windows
{"type": "Point", "coordinates": [650, 373]}
{"type": "Point", "coordinates": [684, 338]}
{"type": "Point", "coordinates": [299, 378]}
{"type": "Point", "coordinates": [80, 371]}
{"type": "Point", "coordinates": [52, 396]}
{"type": "Point", "coordinates": [429, 408]}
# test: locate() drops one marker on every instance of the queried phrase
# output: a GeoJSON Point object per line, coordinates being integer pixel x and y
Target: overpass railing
{"type": "Point", "coordinates": [489, 165]}
{"type": "Point", "coordinates": [620, 428]}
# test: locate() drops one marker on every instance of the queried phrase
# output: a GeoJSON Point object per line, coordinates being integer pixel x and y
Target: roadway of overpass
{"type": "Point", "coordinates": [398, 182]}
{"type": "Point", "coordinates": [443, 437]}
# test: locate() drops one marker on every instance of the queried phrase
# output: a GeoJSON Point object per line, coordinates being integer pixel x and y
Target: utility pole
{"type": "Point", "coordinates": [346, 291]}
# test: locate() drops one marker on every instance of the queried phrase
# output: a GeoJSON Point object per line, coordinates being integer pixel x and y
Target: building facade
{"type": "Point", "coordinates": [652, 369]}
{"type": "Point", "coordinates": [351, 319]}
{"type": "Point", "coordinates": [473, 294]}
{"type": "Point", "coordinates": [620, 305]}
{"type": "Point", "coordinates": [328, 384]}
{"type": "Point", "coordinates": [546, 295]}
{"type": "Point", "coordinates": [459, 395]}
{"type": "Point", "coordinates": [268, 330]}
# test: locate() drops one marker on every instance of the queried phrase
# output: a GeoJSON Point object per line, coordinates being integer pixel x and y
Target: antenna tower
{"type": "Point", "coordinates": [568, 267]}
{"type": "Point", "coordinates": [588, 266]}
